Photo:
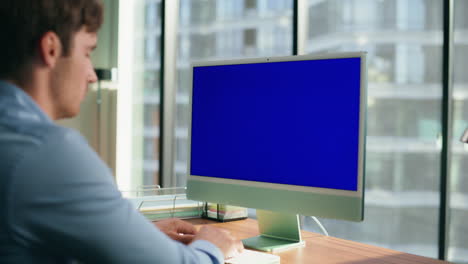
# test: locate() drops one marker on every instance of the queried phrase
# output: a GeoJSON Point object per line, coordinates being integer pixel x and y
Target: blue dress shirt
{"type": "Point", "coordinates": [58, 201]}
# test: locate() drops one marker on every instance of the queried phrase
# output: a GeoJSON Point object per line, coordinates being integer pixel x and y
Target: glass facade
{"type": "Point", "coordinates": [403, 39]}
{"type": "Point", "coordinates": [458, 229]}
{"type": "Point", "coordinates": [219, 30]}
{"type": "Point", "coordinates": [404, 44]}
{"type": "Point", "coordinates": [147, 101]}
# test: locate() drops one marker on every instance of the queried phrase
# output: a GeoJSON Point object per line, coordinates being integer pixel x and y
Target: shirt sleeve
{"type": "Point", "coordinates": [64, 201]}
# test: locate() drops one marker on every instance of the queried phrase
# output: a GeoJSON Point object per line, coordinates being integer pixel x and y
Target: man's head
{"type": "Point", "coordinates": [48, 42]}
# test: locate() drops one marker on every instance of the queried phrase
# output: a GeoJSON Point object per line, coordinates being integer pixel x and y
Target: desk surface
{"type": "Point", "coordinates": [323, 249]}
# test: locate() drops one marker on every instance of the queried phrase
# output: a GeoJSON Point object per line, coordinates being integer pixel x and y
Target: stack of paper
{"type": "Point", "coordinates": [223, 212]}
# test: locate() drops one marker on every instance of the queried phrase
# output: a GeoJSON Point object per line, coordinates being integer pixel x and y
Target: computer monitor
{"type": "Point", "coordinates": [283, 135]}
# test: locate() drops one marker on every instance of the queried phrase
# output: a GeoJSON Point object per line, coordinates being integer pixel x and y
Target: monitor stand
{"type": "Point", "coordinates": [278, 231]}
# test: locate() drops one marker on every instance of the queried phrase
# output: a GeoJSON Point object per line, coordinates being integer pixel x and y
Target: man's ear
{"type": "Point", "coordinates": [50, 48]}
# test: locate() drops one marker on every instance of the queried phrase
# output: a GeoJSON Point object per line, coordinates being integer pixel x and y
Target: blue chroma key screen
{"type": "Point", "coordinates": [294, 122]}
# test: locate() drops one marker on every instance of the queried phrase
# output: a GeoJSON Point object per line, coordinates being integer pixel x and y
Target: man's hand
{"type": "Point", "coordinates": [177, 229]}
{"type": "Point", "coordinates": [229, 245]}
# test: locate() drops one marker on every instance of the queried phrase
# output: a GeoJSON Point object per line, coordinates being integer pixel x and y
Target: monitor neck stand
{"type": "Point", "coordinates": [278, 231]}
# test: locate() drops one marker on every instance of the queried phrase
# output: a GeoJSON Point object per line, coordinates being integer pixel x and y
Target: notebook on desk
{"type": "Point", "coordinates": [253, 257]}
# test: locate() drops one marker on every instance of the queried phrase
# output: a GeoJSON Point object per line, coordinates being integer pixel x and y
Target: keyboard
{"type": "Point", "coordinates": [253, 257]}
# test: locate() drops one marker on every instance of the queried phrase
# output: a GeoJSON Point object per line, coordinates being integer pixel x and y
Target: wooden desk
{"type": "Point", "coordinates": [322, 249]}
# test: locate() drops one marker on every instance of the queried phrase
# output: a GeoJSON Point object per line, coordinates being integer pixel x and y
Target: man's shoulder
{"type": "Point", "coordinates": [54, 133]}
{"type": "Point", "coordinates": [19, 143]}
{"type": "Point", "coordinates": [57, 142]}
{"type": "Point", "coordinates": [48, 130]}
{"type": "Point", "coordinates": [59, 157]}
{"type": "Point", "coordinates": [37, 134]}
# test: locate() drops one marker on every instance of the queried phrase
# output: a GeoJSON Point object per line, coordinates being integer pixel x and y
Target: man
{"type": "Point", "coordinates": [58, 202]}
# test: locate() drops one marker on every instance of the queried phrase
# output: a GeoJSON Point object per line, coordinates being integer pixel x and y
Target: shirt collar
{"type": "Point", "coordinates": [15, 102]}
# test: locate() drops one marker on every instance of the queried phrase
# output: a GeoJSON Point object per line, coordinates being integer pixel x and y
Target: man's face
{"type": "Point", "coordinates": [72, 74]}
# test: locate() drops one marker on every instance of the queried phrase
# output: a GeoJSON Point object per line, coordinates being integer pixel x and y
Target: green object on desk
{"type": "Point", "coordinates": [279, 231]}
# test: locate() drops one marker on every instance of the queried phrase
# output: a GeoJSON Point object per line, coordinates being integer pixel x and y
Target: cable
{"type": "Point", "coordinates": [320, 225]}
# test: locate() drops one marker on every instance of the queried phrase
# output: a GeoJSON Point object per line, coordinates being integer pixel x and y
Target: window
{"type": "Point", "coordinates": [458, 230]}
{"type": "Point", "coordinates": [139, 93]}
{"type": "Point", "coordinates": [224, 29]}
{"type": "Point", "coordinates": [250, 4]}
{"type": "Point", "coordinates": [403, 41]}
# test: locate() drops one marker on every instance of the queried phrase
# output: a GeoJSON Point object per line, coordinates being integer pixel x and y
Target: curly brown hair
{"type": "Point", "coordinates": [24, 22]}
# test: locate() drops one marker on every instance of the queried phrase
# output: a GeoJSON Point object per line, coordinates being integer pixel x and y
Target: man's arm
{"type": "Point", "coordinates": [64, 201]}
